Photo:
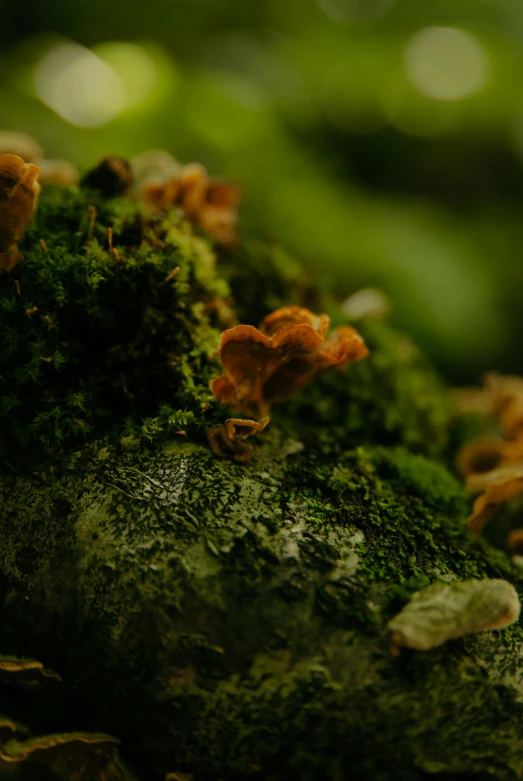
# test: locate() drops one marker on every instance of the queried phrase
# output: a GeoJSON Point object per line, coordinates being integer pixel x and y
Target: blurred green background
{"type": "Point", "coordinates": [379, 140]}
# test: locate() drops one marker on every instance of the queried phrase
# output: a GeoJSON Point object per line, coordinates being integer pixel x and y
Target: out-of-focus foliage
{"type": "Point", "coordinates": [380, 140]}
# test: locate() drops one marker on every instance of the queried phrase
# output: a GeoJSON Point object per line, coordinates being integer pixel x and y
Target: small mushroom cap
{"type": "Point", "coordinates": [481, 455]}
{"type": "Point", "coordinates": [444, 611]}
{"type": "Point", "coordinates": [501, 489]}
{"type": "Point", "coordinates": [20, 144]}
{"type": "Point", "coordinates": [155, 163]}
{"type": "Point", "coordinates": [223, 194]}
{"type": "Point", "coordinates": [242, 428]}
{"type": "Point", "coordinates": [507, 400]}
{"type": "Point", "coordinates": [193, 182]}
{"type": "Point", "coordinates": [60, 173]}
{"type": "Point", "coordinates": [312, 328]}
{"type": "Point", "coordinates": [15, 172]}
{"type": "Point", "coordinates": [367, 303]}
{"type": "Point", "coordinates": [210, 205]}
{"type": "Point", "coordinates": [515, 542]}
{"type": "Point", "coordinates": [224, 447]}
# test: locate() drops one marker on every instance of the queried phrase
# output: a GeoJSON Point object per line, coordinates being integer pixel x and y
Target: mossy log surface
{"type": "Point", "coordinates": [230, 621]}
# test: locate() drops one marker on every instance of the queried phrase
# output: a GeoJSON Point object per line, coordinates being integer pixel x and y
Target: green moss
{"type": "Point", "coordinates": [263, 277]}
{"type": "Point", "coordinates": [92, 340]}
{"type": "Point", "coordinates": [411, 512]}
{"type": "Point", "coordinates": [393, 397]}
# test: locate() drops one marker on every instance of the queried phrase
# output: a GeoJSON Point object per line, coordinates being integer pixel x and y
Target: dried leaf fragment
{"type": "Point", "coordinates": [19, 189]}
{"type": "Point", "coordinates": [445, 611]}
{"type": "Point", "coordinates": [286, 353]}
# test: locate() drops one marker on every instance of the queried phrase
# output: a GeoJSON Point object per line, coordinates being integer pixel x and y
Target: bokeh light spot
{"type": "Point", "coordinates": [79, 86]}
{"type": "Point", "coordinates": [356, 11]}
{"type": "Point", "coordinates": [446, 64]}
{"type": "Point", "coordinates": [134, 66]}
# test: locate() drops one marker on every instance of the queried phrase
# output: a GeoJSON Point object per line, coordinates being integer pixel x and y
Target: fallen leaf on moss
{"type": "Point", "coordinates": [444, 611]}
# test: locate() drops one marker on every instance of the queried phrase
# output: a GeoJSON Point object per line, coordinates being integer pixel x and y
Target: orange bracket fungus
{"type": "Point", "coordinates": [501, 395]}
{"type": "Point", "coordinates": [78, 756]}
{"type": "Point", "coordinates": [515, 542]}
{"type": "Point", "coordinates": [19, 191]}
{"type": "Point", "coordinates": [272, 363]}
{"type": "Point", "coordinates": [500, 490]}
{"type": "Point", "coordinates": [211, 205]}
{"type": "Point", "coordinates": [27, 673]}
{"type": "Point", "coordinates": [506, 395]}
{"type": "Point", "coordinates": [226, 441]}
{"type": "Point", "coordinates": [493, 467]}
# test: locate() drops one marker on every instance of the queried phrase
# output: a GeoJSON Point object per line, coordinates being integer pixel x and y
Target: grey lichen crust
{"type": "Point", "coordinates": [230, 621]}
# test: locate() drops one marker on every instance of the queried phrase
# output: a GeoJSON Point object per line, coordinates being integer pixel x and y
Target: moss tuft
{"type": "Point", "coordinates": [93, 338]}
{"type": "Point", "coordinates": [393, 397]}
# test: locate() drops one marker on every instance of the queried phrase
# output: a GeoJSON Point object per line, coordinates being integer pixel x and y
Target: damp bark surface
{"type": "Point", "coordinates": [229, 621]}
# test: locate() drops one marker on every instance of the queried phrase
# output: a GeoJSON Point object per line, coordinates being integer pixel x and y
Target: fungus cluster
{"type": "Point", "coordinates": [208, 204]}
{"type": "Point", "coordinates": [80, 756]}
{"type": "Point", "coordinates": [271, 363]}
{"type": "Point", "coordinates": [493, 466]}
{"type": "Point", "coordinates": [58, 172]}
